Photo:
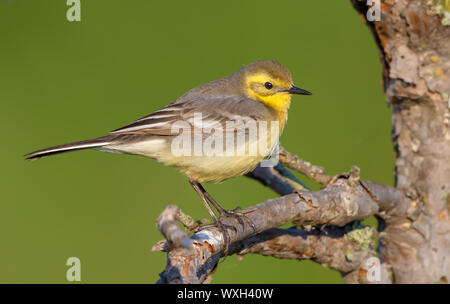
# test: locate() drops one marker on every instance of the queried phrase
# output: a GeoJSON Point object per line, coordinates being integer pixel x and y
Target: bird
{"type": "Point", "coordinates": [256, 95]}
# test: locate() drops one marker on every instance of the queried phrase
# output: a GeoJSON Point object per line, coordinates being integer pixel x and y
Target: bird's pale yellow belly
{"type": "Point", "coordinates": [217, 168]}
{"type": "Point", "coordinates": [214, 169]}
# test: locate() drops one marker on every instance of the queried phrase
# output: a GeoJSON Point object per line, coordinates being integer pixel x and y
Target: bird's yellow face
{"type": "Point", "coordinates": [274, 92]}
{"type": "Point", "coordinates": [269, 82]}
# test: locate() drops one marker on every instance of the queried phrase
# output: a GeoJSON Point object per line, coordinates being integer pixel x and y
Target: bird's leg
{"type": "Point", "coordinates": [223, 212]}
{"type": "Point", "coordinates": [201, 192]}
{"type": "Point", "coordinates": [208, 196]}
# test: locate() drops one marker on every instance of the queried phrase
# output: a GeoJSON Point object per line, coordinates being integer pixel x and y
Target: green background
{"type": "Point", "coordinates": [64, 81]}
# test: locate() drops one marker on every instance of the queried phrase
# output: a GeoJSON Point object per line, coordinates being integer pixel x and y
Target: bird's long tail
{"type": "Point", "coordinates": [75, 146]}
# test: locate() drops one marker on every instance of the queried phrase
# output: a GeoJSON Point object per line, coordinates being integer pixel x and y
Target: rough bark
{"type": "Point", "coordinates": [414, 42]}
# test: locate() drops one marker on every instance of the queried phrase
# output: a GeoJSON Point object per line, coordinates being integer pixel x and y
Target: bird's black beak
{"type": "Point", "coordinates": [298, 91]}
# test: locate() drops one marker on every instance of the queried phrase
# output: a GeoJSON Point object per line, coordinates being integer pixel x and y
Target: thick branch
{"type": "Point", "coordinates": [345, 249]}
{"type": "Point", "coordinates": [413, 39]}
{"type": "Point", "coordinates": [341, 202]}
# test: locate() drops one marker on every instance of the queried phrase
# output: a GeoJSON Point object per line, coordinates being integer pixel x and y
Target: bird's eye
{"type": "Point", "coordinates": [268, 85]}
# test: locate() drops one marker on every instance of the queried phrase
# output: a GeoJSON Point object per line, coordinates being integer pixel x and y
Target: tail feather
{"type": "Point", "coordinates": [75, 146]}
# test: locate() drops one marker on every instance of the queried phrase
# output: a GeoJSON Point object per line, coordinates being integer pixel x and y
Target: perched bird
{"type": "Point", "coordinates": [256, 95]}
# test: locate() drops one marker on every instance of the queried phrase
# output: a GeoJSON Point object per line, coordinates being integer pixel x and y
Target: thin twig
{"type": "Point", "coordinates": [313, 172]}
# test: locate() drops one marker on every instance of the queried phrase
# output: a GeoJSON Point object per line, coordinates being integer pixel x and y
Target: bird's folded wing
{"type": "Point", "coordinates": [200, 114]}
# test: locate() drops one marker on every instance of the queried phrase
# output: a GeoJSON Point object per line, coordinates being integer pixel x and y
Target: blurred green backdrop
{"type": "Point", "coordinates": [62, 81]}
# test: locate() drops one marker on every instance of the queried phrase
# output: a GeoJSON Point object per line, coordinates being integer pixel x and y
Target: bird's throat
{"type": "Point", "coordinates": [280, 103]}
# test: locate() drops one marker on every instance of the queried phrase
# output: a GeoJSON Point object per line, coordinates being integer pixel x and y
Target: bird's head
{"type": "Point", "coordinates": [269, 82]}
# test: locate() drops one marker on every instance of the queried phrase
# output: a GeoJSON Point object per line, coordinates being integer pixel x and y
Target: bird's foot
{"type": "Point", "coordinates": [239, 215]}
{"type": "Point", "coordinates": [218, 222]}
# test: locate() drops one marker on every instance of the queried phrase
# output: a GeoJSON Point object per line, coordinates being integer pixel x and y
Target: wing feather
{"type": "Point", "coordinates": [212, 110]}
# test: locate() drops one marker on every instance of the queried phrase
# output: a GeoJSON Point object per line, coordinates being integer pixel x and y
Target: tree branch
{"type": "Point", "coordinates": [345, 249]}
{"type": "Point", "coordinates": [315, 173]}
{"type": "Point", "coordinates": [345, 199]}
